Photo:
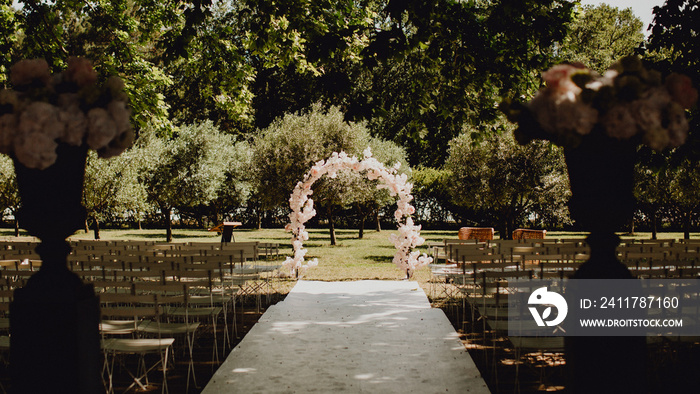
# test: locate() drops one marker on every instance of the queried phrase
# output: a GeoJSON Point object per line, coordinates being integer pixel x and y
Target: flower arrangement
{"type": "Point", "coordinates": [68, 107]}
{"type": "Point", "coordinates": [302, 206]}
{"type": "Point", "coordinates": [628, 102]}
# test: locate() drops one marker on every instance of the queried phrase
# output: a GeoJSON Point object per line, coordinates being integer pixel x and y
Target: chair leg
{"type": "Point", "coordinates": [190, 367]}
{"type": "Point", "coordinates": [226, 339]}
{"type": "Point", "coordinates": [164, 364]}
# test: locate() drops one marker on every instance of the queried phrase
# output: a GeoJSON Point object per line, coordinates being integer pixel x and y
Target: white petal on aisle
{"type": "Point", "coordinates": [362, 336]}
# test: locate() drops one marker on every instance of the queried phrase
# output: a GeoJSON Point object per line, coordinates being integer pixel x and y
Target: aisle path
{"type": "Point", "coordinates": [353, 337]}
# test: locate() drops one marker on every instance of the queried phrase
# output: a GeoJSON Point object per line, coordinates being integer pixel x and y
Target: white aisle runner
{"type": "Point", "coordinates": [354, 337]}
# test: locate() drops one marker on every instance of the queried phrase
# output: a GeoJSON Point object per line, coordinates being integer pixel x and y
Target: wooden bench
{"type": "Point", "coordinates": [482, 234]}
{"type": "Point", "coordinates": [522, 233]}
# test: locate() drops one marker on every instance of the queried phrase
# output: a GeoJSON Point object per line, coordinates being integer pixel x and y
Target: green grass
{"type": "Point", "coordinates": [351, 259]}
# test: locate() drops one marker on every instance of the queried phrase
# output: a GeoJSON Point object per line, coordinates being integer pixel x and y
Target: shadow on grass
{"type": "Point", "coordinates": [381, 259]}
{"type": "Point", "coordinates": [162, 236]}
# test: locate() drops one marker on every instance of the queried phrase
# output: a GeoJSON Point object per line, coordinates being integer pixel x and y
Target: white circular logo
{"type": "Point", "coordinates": [549, 299]}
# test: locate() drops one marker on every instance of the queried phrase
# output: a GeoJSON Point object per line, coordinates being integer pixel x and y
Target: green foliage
{"type": "Point", "coordinates": [9, 194]}
{"type": "Point", "coordinates": [685, 194]}
{"type": "Point", "coordinates": [111, 188]}
{"type": "Point", "coordinates": [286, 150]}
{"type": "Point", "coordinates": [673, 47]}
{"type": "Point", "coordinates": [440, 65]}
{"type": "Point", "coordinates": [186, 171]}
{"type": "Point", "coordinates": [504, 183]}
{"type": "Point", "coordinates": [212, 79]}
{"type": "Point", "coordinates": [432, 195]}
{"type": "Point", "coordinates": [601, 35]}
{"type": "Point", "coordinates": [120, 37]}
{"type": "Point", "coordinates": [8, 37]}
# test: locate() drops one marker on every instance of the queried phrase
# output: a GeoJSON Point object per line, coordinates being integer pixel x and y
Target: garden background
{"type": "Point", "coordinates": [233, 101]}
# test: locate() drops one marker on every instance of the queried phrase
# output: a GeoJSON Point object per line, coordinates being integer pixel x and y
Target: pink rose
{"type": "Point", "coordinates": [80, 71]}
{"type": "Point", "coordinates": [558, 79]}
{"type": "Point", "coordinates": [681, 89]}
{"type": "Point", "coordinates": [27, 71]}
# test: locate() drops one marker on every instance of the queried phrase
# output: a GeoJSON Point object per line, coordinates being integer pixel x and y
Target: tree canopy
{"type": "Point", "coordinates": [413, 72]}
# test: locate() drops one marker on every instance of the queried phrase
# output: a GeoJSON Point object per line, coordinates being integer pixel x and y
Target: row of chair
{"type": "Point", "coordinates": [155, 298]}
{"type": "Point", "coordinates": [482, 274]}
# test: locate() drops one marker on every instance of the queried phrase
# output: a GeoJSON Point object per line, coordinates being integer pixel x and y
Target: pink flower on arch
{"type": "Point", "coordinates": [302, 209]}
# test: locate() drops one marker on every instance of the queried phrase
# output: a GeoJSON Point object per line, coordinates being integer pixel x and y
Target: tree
{"type": "Point", "coordinates": [673, 47]}
{"type": "Point", "coordinates": [212, 80]}
{"type": "Point", "coordinates": [432, 195]}
{"type": "Point", "coordinates": [601, 35]}
{"type": "Point", "coordinates": [9, 194]}
{"type": "Point", "coordinates": [507, 183]}
{"type": "Point", "coordinates": [286, 150]}
{"type": "Point", "coordinates": [441, 65]}
{"type": "Point", "coordinates": [184, 171]}
{"type": "Point", "coordinates": [121, 37]}
{"type": "Point", "coordinates": [652, 186]}
{"type": "Point", "coordinates": [685, 194]}
{"type": "Point", "coordinates": [111, 187]}
{"type": "Point", "coordinates": [236, 189]}
{"type": "Point", "coordinates": [418, 70]}
{"type": "Point", "coordinates": [366, 198]}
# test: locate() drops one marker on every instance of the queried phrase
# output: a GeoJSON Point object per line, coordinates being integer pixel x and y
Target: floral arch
{"type": "Point", "coordinates": [406, 259]}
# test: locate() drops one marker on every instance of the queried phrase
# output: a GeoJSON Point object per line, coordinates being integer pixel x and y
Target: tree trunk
{"type": "Point", "coordinates": [168, 224]}
{"type": "Point", "coordinates": [376, 219]}
{"type": "Point", "coordinates": [87, 226]}
{"type": "Point", "coordinates": [259, 218]}
{"type": "Point", "coordinates": [653, 225]}
{"type": "Point", "coordinates": [362, 226]}
{"type": "Point", "coordinates": [686, 225]}
{"type": "Point", "coordinates": [96, 227]}
{"type": "Point", "coordinates": [16, 226]}
{"type": "Point", "coordinates": [331, 225]}
{"type": "Point", "coordinates": [632, 226]}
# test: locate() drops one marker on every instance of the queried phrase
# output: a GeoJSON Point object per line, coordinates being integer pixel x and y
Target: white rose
{"type": "Point", "coordinates": [101, 128]}
{"type": "Point", "coordinates": [35, 150]}
{"type": "Point", "coordinates": [619, 123]}
{"type": "Point", "coordinates": [40, 117]}
{"type": "Point", "coordinates": [120, 115]}
{"type": "Point", "coordinates": [75, 125]}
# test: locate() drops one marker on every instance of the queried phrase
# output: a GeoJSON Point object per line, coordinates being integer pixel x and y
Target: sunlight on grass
{"type": "Point", "coordinates": [351, 259]}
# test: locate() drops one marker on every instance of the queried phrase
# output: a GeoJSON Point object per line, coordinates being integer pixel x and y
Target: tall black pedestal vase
{"type": "Point", "coordinates": [54, 319]}
{"type": "Point", "coordinates": [601, 173]}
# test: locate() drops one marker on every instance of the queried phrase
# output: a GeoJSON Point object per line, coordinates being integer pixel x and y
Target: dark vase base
{"type": "Point", "coordinates": [601, 174]}
{"type": "Point", "coordinates": [54, 318]}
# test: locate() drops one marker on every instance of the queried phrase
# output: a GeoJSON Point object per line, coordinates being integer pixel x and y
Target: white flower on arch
{"type": "Point", "coordinates": [406, 259]}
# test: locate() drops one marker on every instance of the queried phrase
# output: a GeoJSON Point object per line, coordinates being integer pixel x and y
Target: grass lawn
{"type": "Point", "coordinates": [351, 259]}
